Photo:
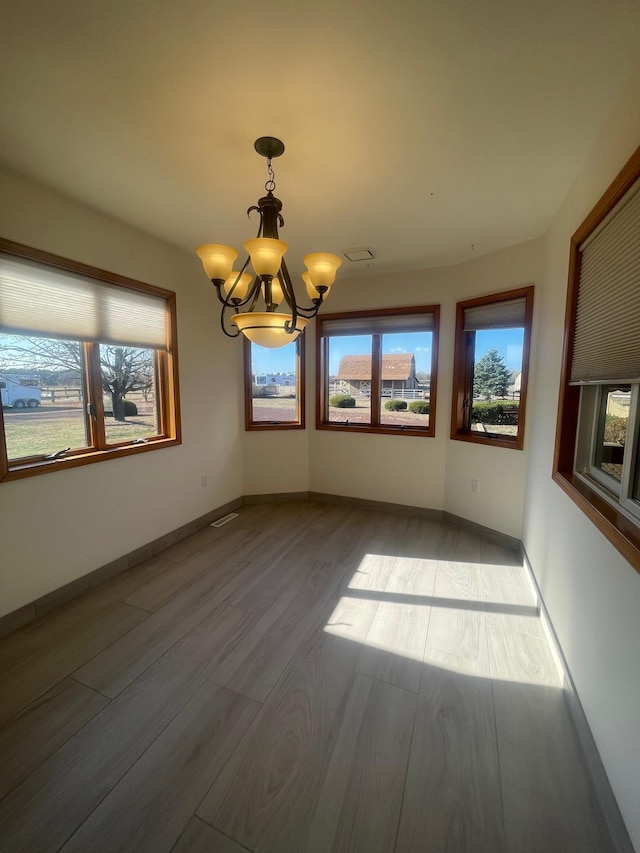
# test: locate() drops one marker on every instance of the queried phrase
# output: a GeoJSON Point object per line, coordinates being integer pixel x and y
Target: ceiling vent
{"type": "Point", "coordinates": [361, 254]}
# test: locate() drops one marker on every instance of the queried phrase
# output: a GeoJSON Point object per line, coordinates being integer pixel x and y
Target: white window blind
{"type": "Point", "coordinates": [386, 324]}
{"type": "Point", "coordinates": [36, 299]}
{"type": "Point", "coordinates": [509, 314]}
{"type": "Point", "coordinates": [607, 330]}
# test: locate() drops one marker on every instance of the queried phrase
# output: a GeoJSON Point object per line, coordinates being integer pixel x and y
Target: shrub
{"type": "Point", "coordinates": [419, 407]}
{"type": "Point", "coordinates": [342, 401]}
{"type": "Point", "coordinates": [396, 405]}
{"type": "Point", "coordinates": [496, 412]}
{"type": "Point", "coordinates": [130, 408]}
{"type": "Point", "coordinates": [615, 429]}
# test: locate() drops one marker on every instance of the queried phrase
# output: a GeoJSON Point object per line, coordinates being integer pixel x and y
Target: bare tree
{"type": "Point", "coordinates": [122, 369]}
{"type": "Point", "coordinates": [25, 353]}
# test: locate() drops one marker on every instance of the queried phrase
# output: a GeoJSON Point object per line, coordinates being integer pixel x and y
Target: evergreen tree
{"type": "Point", "coordinates": [491, 376]}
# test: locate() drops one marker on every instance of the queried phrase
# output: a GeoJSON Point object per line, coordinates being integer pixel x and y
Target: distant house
{"type": "Point", "coordinates": [283, 379]}
{"type": "Point", "coordinates": [274, 384]}
{"type": "Point", "coordinates": [513, 390]}
{"type": "Point", "coordinates": [398, 375]}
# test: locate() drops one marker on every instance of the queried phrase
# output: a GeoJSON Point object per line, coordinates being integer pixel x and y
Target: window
{"type": "Point", "coordinates": [274, 386]}
{"type": "Point", "coordinates": [597, 453]}
{"type": "Point", "coordinates": [377, 371]}
{"type": "Point", "coordinates": [607, 436]}
{"type": "Point", "coordinates": [491, 364]}
{"type": "Point", "coordinates": [88, 365]}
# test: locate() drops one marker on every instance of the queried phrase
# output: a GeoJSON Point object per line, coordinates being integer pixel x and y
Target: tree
{"type": "Point", "coordinates": [122, 369]}
{"type": "Point", "coordinates": [491, 376]}
{"type": "Point", "coordinates": [37, 355]}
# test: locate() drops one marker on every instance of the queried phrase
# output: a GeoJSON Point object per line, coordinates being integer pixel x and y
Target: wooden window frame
{"type": "Point", "coordinates": [169, 425]}
{"type": "Point", "coordinates": [621, 531]}
{"type": "Point", "coordinates": [463, 363]}
{"type": "Point", "coordinates": [250, 424]}
{"type": "Point", "coordinates": [322, 358]}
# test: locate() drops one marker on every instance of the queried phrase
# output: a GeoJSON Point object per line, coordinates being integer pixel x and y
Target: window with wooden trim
{"type": "Point", "coordinates": [377, 370]}
{"type": "Point", "coordinates": [597, 453]}
{"type": "Point", "coordinates": [88, 364]}
{"type": "Point", "coordinates": [274, 386]}
{"type": "Point", "coordinates": [491, 366]}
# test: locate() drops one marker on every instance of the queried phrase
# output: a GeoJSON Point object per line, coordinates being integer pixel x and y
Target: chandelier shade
{"type": "Point", "coordinates": [217, 260]}
{"type": "Point", "coordinates": [266, 255]}
{"type": "Point", "coordinates": [254, 298]}
{"type": "Point", "coordinates": [322, 268]}
{"type": "Point", "coordinates": [237, 285]}
{"type": "Point", "coordinates": [269, 329]}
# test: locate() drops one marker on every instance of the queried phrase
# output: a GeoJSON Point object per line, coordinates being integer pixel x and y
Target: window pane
{"type": "Point", "coordinates": [611, 432]}
{"type": "Point", "coordinates": [635, 493]}
{"type": "Point", "coordinates": [130, 398]}
{"type": "Point", "coordinates": [43, 401]}
{"type": "Point", "coordinates": [405, 379]}
{"type": "Point", "coordinates": [274, 384]}
{"type": "Point", "coordinates": [350, 379]}
{"type": "Point", "coordinates": [497, 373]}
{"type": "Point", "coordinates": [371, 358]}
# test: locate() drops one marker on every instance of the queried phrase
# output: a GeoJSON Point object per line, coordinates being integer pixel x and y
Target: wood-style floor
{"type": "Point", "coordinates": [307, 678]}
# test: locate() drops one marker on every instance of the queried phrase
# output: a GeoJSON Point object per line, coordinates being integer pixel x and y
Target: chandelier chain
{"type": "Point", "coordinates": [270, 184]}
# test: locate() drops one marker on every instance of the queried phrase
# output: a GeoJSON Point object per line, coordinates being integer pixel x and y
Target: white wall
{"type": "Point", "coordinates": [591, 592]}
{"type": "Point", "coordinates": [276, 462]}
{"type": "Point", "coordinates": [500, 471]}
{"type": "Point", "coordinates": [435, 472]}
{"type": "Point", "coordinates": [59, 526]}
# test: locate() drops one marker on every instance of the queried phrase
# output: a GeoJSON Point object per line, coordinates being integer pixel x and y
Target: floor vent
{"type": "Point", "coordinates": [224, 519]}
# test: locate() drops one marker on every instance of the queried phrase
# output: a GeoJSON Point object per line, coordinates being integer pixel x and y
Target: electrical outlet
{"type": "Point", "coordinates": [475, 487]}
{"type": "Point", "coordinates": [203, 480]}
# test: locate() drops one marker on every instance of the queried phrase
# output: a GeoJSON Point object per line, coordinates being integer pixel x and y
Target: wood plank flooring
{"type": "Point", "coordinates": [309, 678]}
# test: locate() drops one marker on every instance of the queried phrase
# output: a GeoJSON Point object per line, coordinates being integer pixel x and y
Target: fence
{"type": "Point", "coordinates": [53, 393]}
{"type": "Point", "coordinates": [391, 393]}
{"type": "Point", "coordinates": [57, 393]}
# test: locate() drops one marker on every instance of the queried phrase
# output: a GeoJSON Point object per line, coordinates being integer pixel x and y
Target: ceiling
{"type": "Point", "coordinates": [429, 130]}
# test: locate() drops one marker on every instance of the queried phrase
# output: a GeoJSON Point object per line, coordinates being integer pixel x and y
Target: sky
{"type": "Point", "coordinates": [508, 342]}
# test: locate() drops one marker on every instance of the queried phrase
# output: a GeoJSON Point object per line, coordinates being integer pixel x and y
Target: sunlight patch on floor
{"type": "Point", "coordinates": [475, 619]}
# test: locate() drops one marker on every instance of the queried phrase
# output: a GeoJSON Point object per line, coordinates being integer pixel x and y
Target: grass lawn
{"type": "Point", "coordinates": [38, 432]}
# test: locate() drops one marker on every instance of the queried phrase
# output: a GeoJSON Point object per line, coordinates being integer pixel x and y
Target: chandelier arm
{"type": "Point", "coordinates": [261, 225]}
{"type": "Point", "coordinates": [306, 311]}
{"type": "Point", "coordinates": [285, 283]}
{"type": "Point", "coordinates": [290, 296]}
{"type": "Point", "coordinates": [223, 327]}
{"type": "Point", "coordinates": [221, 298]}
{"type": "Point", "coordinates": [226, 300]}
{"type": "Point", "coordinates": [254, 293]}
{"type": "Point", "coordinates": [251, 298]}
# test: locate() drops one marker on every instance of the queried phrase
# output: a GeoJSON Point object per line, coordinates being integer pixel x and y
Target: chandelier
{"type": "Point", "coordinates": [268, 287]}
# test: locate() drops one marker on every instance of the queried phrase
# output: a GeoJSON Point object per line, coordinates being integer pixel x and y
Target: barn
{"type": "Point", "coordinates": [398, 375]}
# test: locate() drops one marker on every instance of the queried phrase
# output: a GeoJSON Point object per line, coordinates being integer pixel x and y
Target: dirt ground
{"type": "Point", "coordinates": [275, 409]}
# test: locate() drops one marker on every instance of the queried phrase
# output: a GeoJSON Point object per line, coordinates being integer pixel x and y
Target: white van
{"type": "Point", "coordinates": [18, 391]}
